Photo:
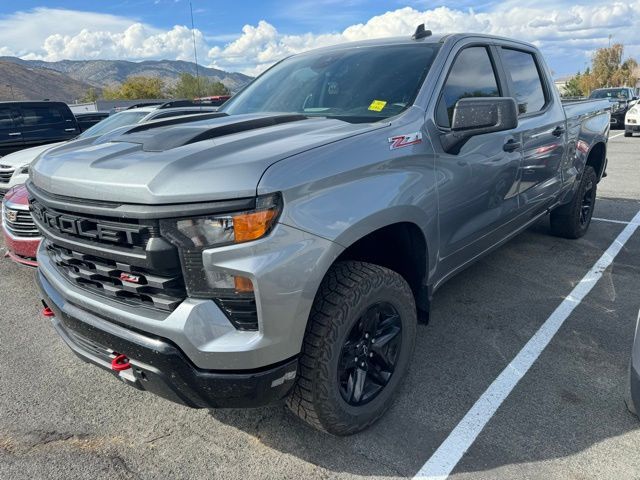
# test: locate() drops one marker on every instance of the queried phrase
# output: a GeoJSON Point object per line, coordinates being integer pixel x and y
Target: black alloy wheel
{"type": "Point", "coordinates": [369, 354]}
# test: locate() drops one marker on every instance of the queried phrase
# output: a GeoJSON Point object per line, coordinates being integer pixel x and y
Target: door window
{"type": "Point", "coordinates": [472, 75]}
{"type": "Point", "coordinates": [526, 81]}
{"type": "Point", "coordinates": [5, 118]}
{"type": "Point", "coordinates": [41, 116]}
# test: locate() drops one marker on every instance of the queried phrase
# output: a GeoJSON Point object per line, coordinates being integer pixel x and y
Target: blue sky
{"type": "Point", "coordinates": [249, 36]}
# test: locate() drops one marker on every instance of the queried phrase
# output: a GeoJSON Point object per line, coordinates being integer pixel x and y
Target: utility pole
{"type": "Point", "coordinates": [13, 97]}
{"type": "Point", "coordinates": [195, 51]}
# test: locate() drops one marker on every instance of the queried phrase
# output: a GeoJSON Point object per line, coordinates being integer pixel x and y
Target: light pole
{"type": "Point", "coordinates": [13, 97]}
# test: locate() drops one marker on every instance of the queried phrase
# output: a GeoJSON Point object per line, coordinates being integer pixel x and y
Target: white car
{"type": "Point", "coordinates": [632, 120]}
{"type": "Point", "coordinates": [14, 168]}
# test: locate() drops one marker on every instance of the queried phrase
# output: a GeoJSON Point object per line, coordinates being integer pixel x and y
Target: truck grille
{"type": "Point", "coordinates": [118, 280]}
{"type": "Point", "coordinates": [6, 172]}
{"type": "Point", "coordinates": [19, 223]}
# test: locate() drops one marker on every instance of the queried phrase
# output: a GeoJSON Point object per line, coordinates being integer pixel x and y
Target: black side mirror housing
{"type": "Point", "coordinates": [477, 116]}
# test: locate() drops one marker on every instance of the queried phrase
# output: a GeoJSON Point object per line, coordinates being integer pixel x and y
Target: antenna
{"type": "Point", "coordinates": [195, 51]}
{"type": "Point", "coordinates": [421, 32]}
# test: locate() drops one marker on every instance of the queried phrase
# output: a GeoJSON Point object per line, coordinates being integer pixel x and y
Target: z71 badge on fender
{"type": "Point", "coordinates": [400, 141]}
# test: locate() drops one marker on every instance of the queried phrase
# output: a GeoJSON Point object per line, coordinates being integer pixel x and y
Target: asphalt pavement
{"type": "Point", "coordinates": [63, 419]}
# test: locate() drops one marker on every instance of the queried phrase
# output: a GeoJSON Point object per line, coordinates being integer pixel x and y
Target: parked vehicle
{"type": "Point", "coordinates": [21, 236]}
{"type": "Point", "coordinates": [89, 119]}
{"type": "Point", "coordinates": [28, 124]}
{"type": "Point", "coordinates": [14, 168]}
{"type": "Point", "coordinates": [287, 247]}
{"type": "Point", "coordinates": [632, 121]}
{"type": "Point", "coordinates": [633, 386]}
{"type": "Point", "coordinates": [621, 98]}
{"type": "Point", "coordinates": [215, 100]}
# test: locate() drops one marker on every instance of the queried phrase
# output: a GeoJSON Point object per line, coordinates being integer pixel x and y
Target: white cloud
{"type": "Point", "coordinates": [567, 33]}
{"type": "Point", "coordinates": [572, 31]}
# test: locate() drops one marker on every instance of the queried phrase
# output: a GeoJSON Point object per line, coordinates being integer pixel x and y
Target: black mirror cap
{"type": "Point", "coordinates": [479, 115]}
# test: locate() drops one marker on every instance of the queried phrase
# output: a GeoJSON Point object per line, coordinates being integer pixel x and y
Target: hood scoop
{"type": "Point", "coordinates": [163, 137]}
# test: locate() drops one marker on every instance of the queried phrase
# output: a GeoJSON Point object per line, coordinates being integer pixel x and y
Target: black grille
{"type": "Point", "coordinates": [240, 309]}
{"type": "Point", "coordinates": [127, 234]}
{"type": "Point", "coordinates": [19, 223]}
{"type": "Point", "coordinates": [5, 174]}
{"type": "Point", "coordinates": [118, 280]}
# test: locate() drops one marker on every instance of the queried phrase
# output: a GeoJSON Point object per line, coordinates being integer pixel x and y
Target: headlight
{"type": "Point", "coordinates": [199, 233]}
{"type": "Point", "coordinates": [233, 293]}
{"type": "Point", "coordinates": [634, 111]}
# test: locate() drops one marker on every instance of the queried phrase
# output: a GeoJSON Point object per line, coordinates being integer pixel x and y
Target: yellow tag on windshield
{"type": "Point", "coordinates": [377, 105]}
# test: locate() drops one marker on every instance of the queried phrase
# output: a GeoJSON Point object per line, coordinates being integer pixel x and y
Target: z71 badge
{"type": "Point", "coordinates": [400, 141]}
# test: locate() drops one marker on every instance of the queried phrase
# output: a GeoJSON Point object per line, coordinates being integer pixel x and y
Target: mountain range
{"type": "Point", "coordinates": [69, 80]}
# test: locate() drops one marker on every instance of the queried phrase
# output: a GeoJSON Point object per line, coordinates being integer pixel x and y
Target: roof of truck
{"type": "Point", "coordinates": [408, 40]}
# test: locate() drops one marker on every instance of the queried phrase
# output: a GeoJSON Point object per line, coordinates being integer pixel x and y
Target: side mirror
{"type": "Point", "coordinates": [477, 116]}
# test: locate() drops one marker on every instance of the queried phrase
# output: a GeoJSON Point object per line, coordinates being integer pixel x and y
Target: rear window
{"type": "Point", "coordinates": [525, 78]}
{"type": "Point", "coordinates": [44, 115]}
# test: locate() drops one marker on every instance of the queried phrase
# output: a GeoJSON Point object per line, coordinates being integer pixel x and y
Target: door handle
{"type": "Point", "coordinates": [69, 129]}
{"type": "Point", "coordinates": [13, 134]}
{"type": "Point", "coordinates": [558, 131]}
{"type": "Point", "coordinates": [511, 146]}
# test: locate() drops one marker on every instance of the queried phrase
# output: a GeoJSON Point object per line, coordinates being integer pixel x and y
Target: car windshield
{"type": "Point", "coordinates": [116, 120]}
{"type": "Point", "coordinates": [610, 93]}
{"type": "Point", "coordinates": [364, 84]}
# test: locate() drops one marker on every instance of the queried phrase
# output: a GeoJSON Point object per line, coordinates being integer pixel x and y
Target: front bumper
{"type": "Point", "coordinates": [160, 367]}
{"type": "Point", "coordinates": [21, 249]}
{"type": "Point", "coordinates": [286, 269]}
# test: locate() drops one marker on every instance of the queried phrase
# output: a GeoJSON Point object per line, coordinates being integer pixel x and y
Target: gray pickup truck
{"type": "Point", "coordinates": [287, 248]}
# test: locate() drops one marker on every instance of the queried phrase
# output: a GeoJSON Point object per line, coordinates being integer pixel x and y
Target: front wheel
{"type": "Point", "coordinates": [357, 347]}
{"type": "Point", "coordinates": [573, 219]}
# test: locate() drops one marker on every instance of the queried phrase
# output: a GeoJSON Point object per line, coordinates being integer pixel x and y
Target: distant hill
{"type": "Point", "coordinates": [22, 82]}
{"type": "Point", "coordinates": [101, 73]}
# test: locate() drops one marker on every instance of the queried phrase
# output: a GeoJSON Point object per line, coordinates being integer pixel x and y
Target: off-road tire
{"type": "Point", "coordinates": [565, 220]}
{"type": "Point", "coordinates": [628, 134]}
{"type": "Point", "coordinates": [347, 291]}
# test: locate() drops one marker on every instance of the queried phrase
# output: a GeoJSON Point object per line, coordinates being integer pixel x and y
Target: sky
{"type": "Point", "coordinates": [249, 36]}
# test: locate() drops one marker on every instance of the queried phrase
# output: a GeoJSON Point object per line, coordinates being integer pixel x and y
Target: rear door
{"type": "Point", "coordinates": [10, 135]}
{"type": "Point", "coordinates": [478, 185]}
{"type": "Point", "coordinates": [44, 122]}
{"type": "Point", "coordinates": [542, 123]}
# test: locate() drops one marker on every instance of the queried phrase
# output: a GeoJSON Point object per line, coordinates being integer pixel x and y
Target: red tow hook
{"type": "Point", "coordinates": [47, 312]}
{"type": "Point", "coordinates": [120, 363]}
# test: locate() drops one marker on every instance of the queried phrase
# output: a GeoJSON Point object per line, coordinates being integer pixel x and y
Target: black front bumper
{"type": "Point", "coordinates": [160, 367]}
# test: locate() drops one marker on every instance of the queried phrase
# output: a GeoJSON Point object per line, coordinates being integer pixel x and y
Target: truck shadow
{"type": "Point", "coordinates": [572, 398]}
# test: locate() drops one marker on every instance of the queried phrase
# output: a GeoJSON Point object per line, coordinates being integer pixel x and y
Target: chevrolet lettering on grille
{"type": "Point", "coordinates": [87, 228]}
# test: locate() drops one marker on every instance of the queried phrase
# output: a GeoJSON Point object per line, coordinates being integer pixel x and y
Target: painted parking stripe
{"type": "Point", "coordinates": [447, 456]}
{"type": "Point", "coordinates": [610, 220]}
{"type": "Point", "coordinates": [616, 135]}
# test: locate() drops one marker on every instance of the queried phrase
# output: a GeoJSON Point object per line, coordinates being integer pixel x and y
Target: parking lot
{"type": "Point", "coordinates": [61, 418]}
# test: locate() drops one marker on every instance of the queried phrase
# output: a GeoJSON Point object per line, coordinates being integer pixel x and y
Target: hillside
{"type": "Point", "coordinates": [22, 82]}
{"type": "Point", "coordinates": [101, 73]}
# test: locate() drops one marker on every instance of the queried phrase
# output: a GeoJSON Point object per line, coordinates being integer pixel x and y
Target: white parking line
{"type": "Point", "coordinates": [447, 456]}
{"type": "Point", "coordinates": [610, 220]}
{"type": "Point", "coordinates": [616, 135]}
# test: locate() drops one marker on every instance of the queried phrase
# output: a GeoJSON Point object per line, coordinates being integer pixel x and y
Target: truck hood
{"type": "Point", "coordinates": [26, 156]}
{"type": "Point", "coordinates": [177, 161]}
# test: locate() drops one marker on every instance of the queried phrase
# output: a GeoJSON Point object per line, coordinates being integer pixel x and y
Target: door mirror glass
{"type": "Point", "coordinates": [477, 116]}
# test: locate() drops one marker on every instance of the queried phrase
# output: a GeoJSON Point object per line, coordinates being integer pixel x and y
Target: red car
{"type": "Point", "coordinates": [20, 233]}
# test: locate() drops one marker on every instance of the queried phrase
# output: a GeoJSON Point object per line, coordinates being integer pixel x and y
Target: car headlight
{"type": "Point", "coordinates": [233, 293]}
{"type": "Point", "coordinates": [198, 233]}
{"type": "Point", "coordinates": [634, 111]}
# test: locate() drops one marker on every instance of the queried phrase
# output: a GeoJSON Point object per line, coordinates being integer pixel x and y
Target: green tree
{"type": "Point", "coordinates": [573, 88]}
{"type": "Point", "coordinates": [134, 88]}
{"type": "Point", "coordinates": [189, 86]}
{"type": "Point", "coordinates": [91, 95]}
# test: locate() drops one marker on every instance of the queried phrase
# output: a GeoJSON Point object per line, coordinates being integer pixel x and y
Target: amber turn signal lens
{"type": "Point", "coordinates": [250, 226]}
{"type": "Point", "coordinates": [243, 284]}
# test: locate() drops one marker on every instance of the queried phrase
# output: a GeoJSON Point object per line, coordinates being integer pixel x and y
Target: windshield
{"type": "Point", "coordinates": [116, 120]}
{"type": "Point", "coordinates": [610, 93]}
{"type": "Point", "coordinates": [362, 84]}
